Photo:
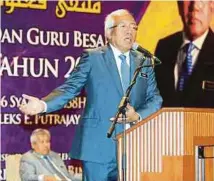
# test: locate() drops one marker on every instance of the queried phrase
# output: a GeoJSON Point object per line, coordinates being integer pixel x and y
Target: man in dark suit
{"type": "Point", "coordinates": [41, 163]}
{"type": "Point", "coordinates": [186, 77]}
{"type": "Point", "coordinates": [105, 72]}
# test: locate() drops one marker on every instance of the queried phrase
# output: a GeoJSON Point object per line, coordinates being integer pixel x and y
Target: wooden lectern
{"type": "Point", "coordinates": [164, 147]}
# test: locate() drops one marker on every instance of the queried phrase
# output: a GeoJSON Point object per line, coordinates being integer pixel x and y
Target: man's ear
{"type": "Point", "coordinates": [108, 34]}
{"type": "Point", "coordinates": [212, 6]}
{"type": "Point", "coordinates": [33, 145]}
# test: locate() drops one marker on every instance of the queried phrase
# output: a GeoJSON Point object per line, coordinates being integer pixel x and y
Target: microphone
{"type": "Point", "coordinates": [156, 61]}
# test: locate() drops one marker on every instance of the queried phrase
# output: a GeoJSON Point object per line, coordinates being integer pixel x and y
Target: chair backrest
{"type": "Point", "coordinates": [12, 167]}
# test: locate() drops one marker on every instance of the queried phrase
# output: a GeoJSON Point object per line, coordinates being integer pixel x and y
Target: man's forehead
{"type": "Point", "coordinates": [43, 137]}
{"type": "Point", "coordinates": [125, 19]}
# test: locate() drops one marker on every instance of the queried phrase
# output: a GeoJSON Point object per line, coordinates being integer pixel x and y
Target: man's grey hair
{"type": "Point", "coordinates": [109, 20]}
{"type": "Point", "coordinates": [36, 132]}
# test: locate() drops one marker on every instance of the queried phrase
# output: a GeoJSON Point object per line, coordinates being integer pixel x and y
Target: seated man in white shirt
{"type": "Point", "coordinates": [41, 163]}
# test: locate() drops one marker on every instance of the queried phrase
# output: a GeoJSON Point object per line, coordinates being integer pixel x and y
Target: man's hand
{"type": "Point", "coordinates": [131, 115]}
{"type": "Point", "coordinates": [33, 107]}
{"type": "Point", "coordinates": [50, 178]}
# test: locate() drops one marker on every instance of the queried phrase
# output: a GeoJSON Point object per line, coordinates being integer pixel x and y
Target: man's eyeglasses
{"type": "Point", "coordinates": [200, 3]}
{"type": "Point", "coordinates": [124, 26]}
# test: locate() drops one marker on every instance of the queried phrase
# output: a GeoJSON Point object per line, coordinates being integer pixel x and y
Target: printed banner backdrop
{"type": "Point", "coordinates": [41, 44]}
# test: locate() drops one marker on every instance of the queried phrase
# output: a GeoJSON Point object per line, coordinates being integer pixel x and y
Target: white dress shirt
{"type": "Point", "coordinates": [117, 53]}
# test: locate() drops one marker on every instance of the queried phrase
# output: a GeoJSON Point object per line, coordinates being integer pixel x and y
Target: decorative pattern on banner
{"type": "Point", "coordinates": [62, 6]}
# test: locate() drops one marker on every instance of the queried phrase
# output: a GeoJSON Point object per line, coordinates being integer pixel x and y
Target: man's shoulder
{"type": "Point", "coordinates": [28, 155]}
{"type": "Point", "coordinates": [171, 42]}
{"type": "Point", "coordinates": [211, 32]}
{"type": "Point", "coordinates": [207, 47]}
{"type": "Point", "coordinates": [31, 156]}
{"type": "Point", "coordinates": [54, 154]}
{"type": "Point", "coordinates": [96, 50]}
{"type": "Point", "coordinates": [172, 38]}
{"type": "Point", "coordinates": [210, 37]}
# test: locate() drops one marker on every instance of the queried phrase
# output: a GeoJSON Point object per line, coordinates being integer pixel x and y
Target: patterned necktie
{"type": "Point", "coordinates": [187, 67]}
{"type": "Point", "coordinates": [54, 168]}
{"type": "Point", "coordinates": [125, 72]}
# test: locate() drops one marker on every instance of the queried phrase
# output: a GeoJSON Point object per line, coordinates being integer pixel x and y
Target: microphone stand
{"type": "Point", "coordinates": [122, 110]}
{"type": "Point", "coordinates": [125, 99]}
{"type": "Point", "coordinates": [124, 146]}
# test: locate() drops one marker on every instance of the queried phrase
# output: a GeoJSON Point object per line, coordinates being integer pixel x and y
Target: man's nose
{"type": "Point", "coordinates": [129, 31]}
{"type": "Point", "coordinates": [46, 145]}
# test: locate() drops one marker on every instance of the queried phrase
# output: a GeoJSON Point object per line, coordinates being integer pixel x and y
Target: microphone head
{"type": "Point", "coordinates": [145, 52]}
{"type": "Point", "coordinates": [135, 46]}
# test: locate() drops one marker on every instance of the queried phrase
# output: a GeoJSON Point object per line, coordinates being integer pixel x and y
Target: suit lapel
{"type": "Point", "coordinates": [174, 59]}
{"type": "Point", "coordinates": [202, 61]}
{"type": "Point", "coordinates": [134, 63]}
{"type": "Point", "coordinates": [110, 61]}
{"type": "Point", "coordinates": [42, 161]}
{"type": "Point", "coordinates": [56, 162]}
{"type": "Point", "coordinates": [112, 68]}
{"type": "Point", "coordinates": [204, 55]}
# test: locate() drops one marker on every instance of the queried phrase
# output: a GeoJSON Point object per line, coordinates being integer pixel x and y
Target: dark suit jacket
{"type": "Point", "coordinates": [97, 72]}
{"type": "Point", "coordinates": [193, 94]}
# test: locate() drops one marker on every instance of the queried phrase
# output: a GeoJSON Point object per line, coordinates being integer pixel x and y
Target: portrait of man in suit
{"type": "Point", "coordinates": [41, 163]}
{"type": "Point", "coordinates": [186, 76]}
{"type": "Point", "coordinates": [104, 73]}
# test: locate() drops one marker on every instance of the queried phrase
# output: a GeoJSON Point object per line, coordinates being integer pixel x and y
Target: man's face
{"type": "Point", "coordinates": [123, 33]}
{"type": "Point", "coordinates": [42, 145]}
{"type": "Point", "coordinates": [196, 16]}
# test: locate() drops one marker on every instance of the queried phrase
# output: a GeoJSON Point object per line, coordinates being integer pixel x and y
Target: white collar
{"type": "Point", "coordinates": [197, 42]}
{"type": "Point", "coordinates": [40, 155]}
{"type": "Point", "coordinates": [117, 52]}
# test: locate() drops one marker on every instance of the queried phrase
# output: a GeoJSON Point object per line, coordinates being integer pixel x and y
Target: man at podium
{"type": "Point", "coordinates": [105, 73]}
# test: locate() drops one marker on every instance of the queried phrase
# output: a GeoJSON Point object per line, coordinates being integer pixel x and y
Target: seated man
{"type": "Point", "coordinates": [41, 163]}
